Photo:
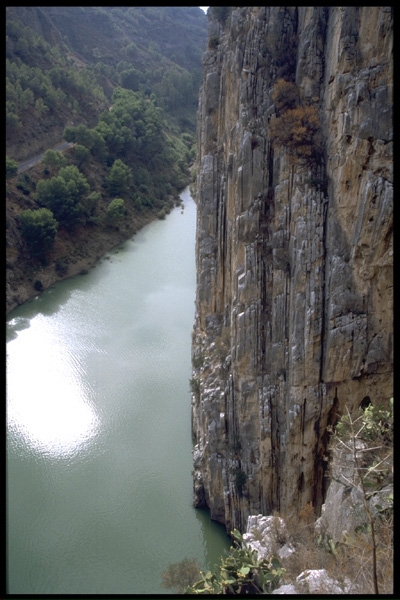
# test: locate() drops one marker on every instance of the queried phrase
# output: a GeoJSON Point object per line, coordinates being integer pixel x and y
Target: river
{"type": "Point", "coordinates": [99, 486]}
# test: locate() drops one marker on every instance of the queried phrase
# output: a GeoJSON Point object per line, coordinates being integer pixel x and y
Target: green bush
{"type": "Point", "coordinates": [62, 194]}
{"type": "Point", "coordinates": [240, 572]}
{"type": "Point", "coordinates": [25, 189]}
{"type": "Point", "coordinates": [39, 228]}
{"type": "Point", "coordinates": [116, 212]}
{"type": "Point", "coordinates": [11, 168]}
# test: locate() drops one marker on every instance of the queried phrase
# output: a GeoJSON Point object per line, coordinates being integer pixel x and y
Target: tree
{"type": "Point", "coordinates": [120, 178]}
{"type": "Point", "coordinates": [181, 575]}
{"type": "Point", "coordinates": [368, 441]}
{"type": "Point", "coordinates": [62, 194]}
{"type": "Point", "coordinates": [82, 154]}
{"type": "Point", "coordinates": [116, 212]}
{"type": "Point", "coordinates": [89, 138]}
{"type": "Point", "coordinates": [39, 228]}
{"type": "Point", "coordinates": [90, 203]}
{"type": "Point", "coordinates": [53, 159]}
{"type": "Point", "coordinates": [40, 107]}
{"type": "Point", "coordinates": [11, 168]}
{"type": "Point", "coordinates": [285, 95]}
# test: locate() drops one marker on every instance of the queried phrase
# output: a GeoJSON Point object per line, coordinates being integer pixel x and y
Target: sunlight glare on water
{"type": "Point", "coordinates": [99, 484]}
{"type": "Point", "coordinates": [47, 407]}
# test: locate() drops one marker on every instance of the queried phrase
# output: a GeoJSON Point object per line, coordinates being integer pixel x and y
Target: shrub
{"type": "Point", "coordinates": [213, 42]}
{"type": "Point", "coordinates": [21, 185]}
{"type": "Point", "coordinates": [181, 575]}
{"type": "Point", "coordinates": [296, 130]}
{"type": "Point", "coordinates": [116, 212]}
{"type": "Point", "coordinates": [39, 228]}
{"type": "Point", "coordinates": [198, 361]}
{"type": "Point", "coordinates": [61, 267]}
{"type": "Point", "coordinates": [368, 440]}
{"type": "Point", "coordinates": [195, 386]}
{"type": "Point", "coordinates": [11, 168]}
{"type": "Point", "coordinates": [240, 572]}
{"type": "Point", "coordinates": [285, 95]}
{"type": "Point", "coordinates": [221, 13]}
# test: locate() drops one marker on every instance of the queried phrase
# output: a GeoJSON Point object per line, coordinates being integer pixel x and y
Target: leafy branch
{"type": "Point", "coordinates": [240, 572]}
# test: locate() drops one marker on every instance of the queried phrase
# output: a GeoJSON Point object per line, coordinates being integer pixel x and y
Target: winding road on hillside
{"type": "Point", "coordinates": [33, 161]}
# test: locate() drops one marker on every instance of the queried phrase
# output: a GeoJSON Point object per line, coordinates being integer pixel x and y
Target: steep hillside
{"type": "Point", "coordinates": [122, 86]}
{"type": "Point", "coordinates": [294, 248]}
{"type": "Point", "coordinates": [63, 64]}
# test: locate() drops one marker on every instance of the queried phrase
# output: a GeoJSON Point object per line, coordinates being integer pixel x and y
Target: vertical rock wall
{"type": "Point", "coordinates": [294, 258]}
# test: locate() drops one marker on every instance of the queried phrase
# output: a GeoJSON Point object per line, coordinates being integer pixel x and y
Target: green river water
{"type": "Point", "coordinates": [99, 486]}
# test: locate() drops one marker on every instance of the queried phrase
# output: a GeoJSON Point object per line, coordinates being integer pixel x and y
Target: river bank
{"type": "Point", "coordinates": [72, 254]}
{"type": "Point", "coordinates": [83, 252]}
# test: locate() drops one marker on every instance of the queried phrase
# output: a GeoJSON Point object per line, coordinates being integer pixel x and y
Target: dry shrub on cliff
{"type": "Point", "coordinates": [308, 555]}
{"type": "Point", "coordinates": [285, 95]}
{"type": "Point", "coordinates": [296, 129]}
{"type": "Point", "coordinates": [222, 342]}
{"type": "Point", "coordinates": [353, 560]}
{"type": "Point", "coordinates": [361, 562]}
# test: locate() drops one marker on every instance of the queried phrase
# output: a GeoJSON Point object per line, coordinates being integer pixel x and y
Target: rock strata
{"type": "Point", "coordinates": [294, 250]}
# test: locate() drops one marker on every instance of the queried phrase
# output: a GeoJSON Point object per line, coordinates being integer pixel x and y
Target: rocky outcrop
{"type": "Point", "coordinates": [269, 536]}
{"type": "Point", "coordinates": [294, 249]}
{"type": "Point", "coordinates": [343, 510]}
{"type": "Point", "coordinates": [314, 581]}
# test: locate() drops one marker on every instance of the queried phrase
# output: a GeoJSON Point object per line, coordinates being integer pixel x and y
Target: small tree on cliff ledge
{"type": "Point", "coordinates": [296, 130]}
{"type": "Point", "coordinates": [368, 440]}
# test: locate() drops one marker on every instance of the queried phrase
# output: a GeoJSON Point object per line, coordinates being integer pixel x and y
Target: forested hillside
{"type": "Point", "coordinates": [63, 64]}
{"type": "Point", "coordinates": [120, 84]}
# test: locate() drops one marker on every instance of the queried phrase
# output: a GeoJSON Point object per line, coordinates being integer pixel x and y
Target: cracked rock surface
{"type": "Point", "coordinates": [294, 297]}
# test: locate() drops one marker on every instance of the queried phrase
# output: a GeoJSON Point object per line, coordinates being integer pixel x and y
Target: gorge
{"type": "Point", "coordinates": [294, 249]}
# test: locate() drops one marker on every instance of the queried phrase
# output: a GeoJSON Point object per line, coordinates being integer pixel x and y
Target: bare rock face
{"type": "Point", "coordinates": [314, 581]}
{"type": "Point", "coordinates": [268, 536]}
{"type": "Point", "coordinates": [294, 249]}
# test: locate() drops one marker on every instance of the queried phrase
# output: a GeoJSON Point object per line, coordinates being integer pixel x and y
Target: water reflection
{"type": "Point", "coordinates": [99, 489]}
{"type": "Point", "coordinates": [47, 410]}
{"type": "Point", "coordinates": [214, 537]}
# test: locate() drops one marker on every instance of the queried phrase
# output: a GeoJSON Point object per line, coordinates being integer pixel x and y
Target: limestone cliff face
{"type": "Point", "coordinates": [294, 253]}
